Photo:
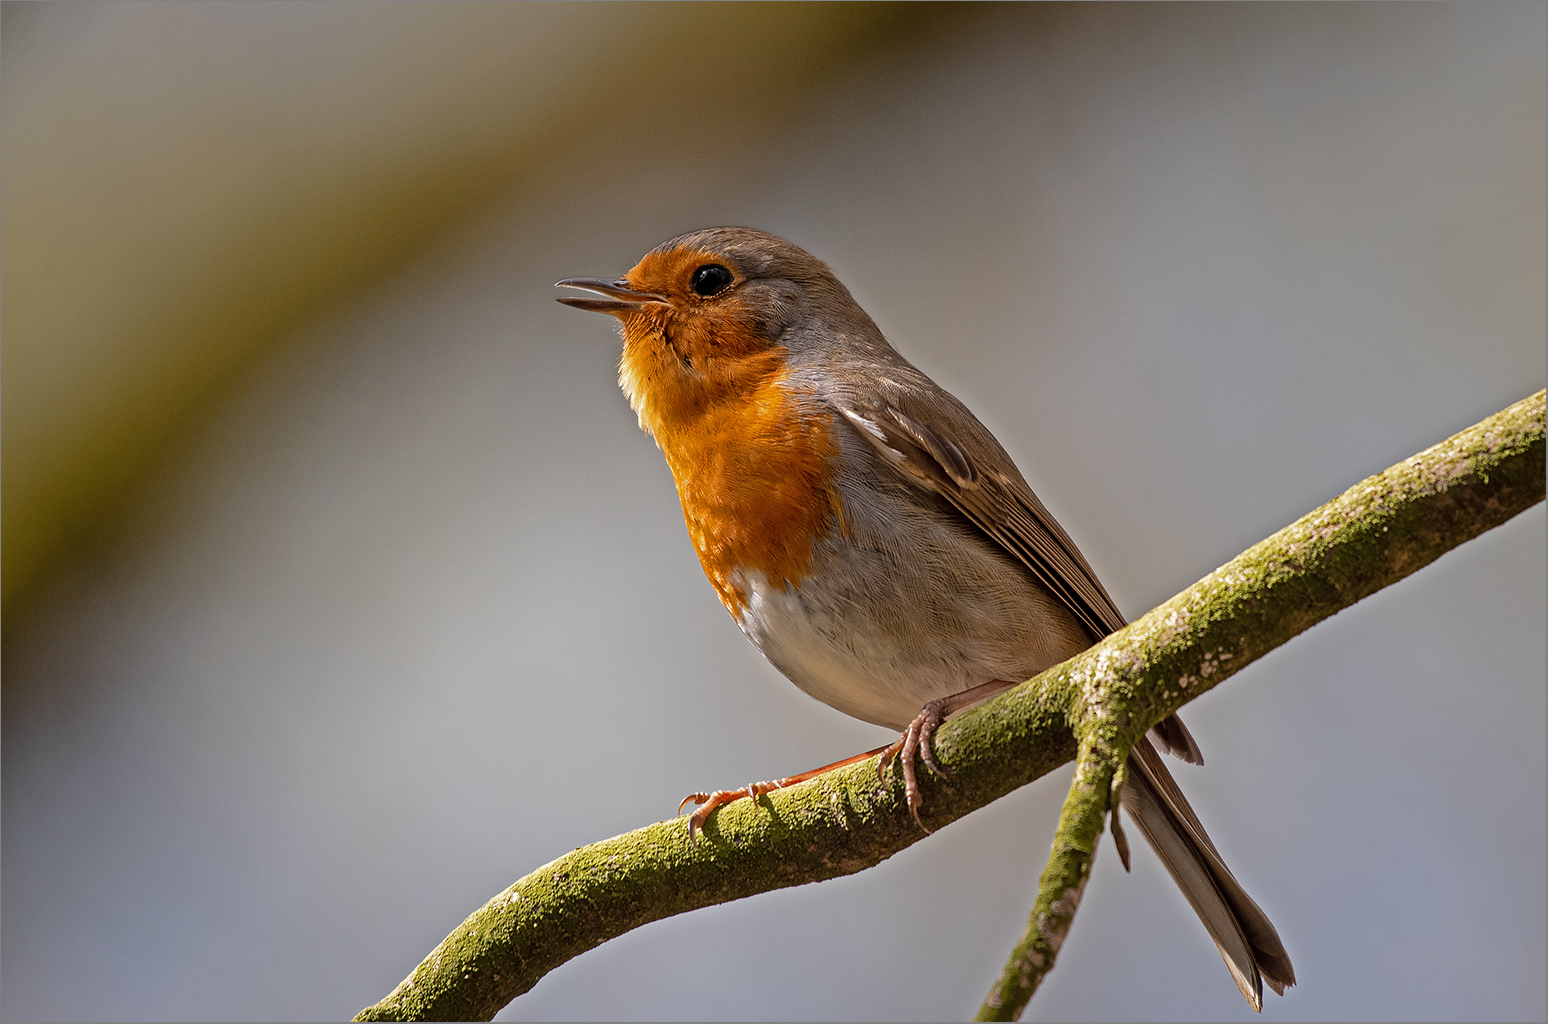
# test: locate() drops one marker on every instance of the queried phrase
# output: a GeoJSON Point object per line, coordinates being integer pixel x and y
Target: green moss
{"type": "Point", "coordinates": [1377, 532]}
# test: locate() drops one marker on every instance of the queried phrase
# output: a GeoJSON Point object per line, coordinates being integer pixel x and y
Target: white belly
{"type": "Point", "coordinates": [838, 664]}
{"type": "Point", "coordinates": [881, 640]}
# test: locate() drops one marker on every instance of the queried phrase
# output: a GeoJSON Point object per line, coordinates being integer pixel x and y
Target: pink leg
{"type": "Point", "coordinates": [710, 802]}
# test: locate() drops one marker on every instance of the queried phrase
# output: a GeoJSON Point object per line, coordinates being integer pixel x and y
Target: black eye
{"type": "Point", "coordinates": [710, 279]}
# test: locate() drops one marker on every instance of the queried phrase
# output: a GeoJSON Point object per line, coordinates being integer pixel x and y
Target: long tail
{"type": "Point", "coordinates": [1242, 932]}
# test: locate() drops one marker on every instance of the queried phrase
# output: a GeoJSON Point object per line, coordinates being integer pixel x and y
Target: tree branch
{"type": "Point", "coordinates": [1373, 535]}
{"type": "Point", "coordinates": [1099, 774]}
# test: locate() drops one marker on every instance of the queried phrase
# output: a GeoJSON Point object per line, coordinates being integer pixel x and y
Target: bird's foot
{"type": "Point", "coordinates": [917, 738]}
{"type": "Point", "coordinates": [711, 802]}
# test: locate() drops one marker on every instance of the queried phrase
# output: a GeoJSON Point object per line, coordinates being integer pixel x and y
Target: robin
{"type": "Point", "coordinates": [870, 536]}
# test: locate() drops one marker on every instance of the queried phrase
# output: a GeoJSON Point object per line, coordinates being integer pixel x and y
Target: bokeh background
{"type": "Point", "coordinates": [341, 588]}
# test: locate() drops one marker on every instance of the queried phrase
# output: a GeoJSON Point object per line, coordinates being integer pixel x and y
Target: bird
{"type": "Point", "coordinates": [870, 536]}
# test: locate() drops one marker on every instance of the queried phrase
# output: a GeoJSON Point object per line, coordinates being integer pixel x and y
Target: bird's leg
{"type": "Point", "coordinates": [709, 802]}
{"type": "Point", "coordinates": [915, 740]}
{"type": "Point", "coordinates": [917, 737]}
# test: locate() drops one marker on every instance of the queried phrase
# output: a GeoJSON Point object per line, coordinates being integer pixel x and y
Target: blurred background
{"type": "Point", "coordinates": [341, 588]}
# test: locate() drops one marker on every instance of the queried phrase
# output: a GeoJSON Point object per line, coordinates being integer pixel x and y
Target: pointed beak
{"type": "Point", "coordinates": [620, 297]}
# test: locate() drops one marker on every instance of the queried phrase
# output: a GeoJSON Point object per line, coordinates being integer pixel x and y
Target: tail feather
{"type": "Point", "coordinates": [1247, 941]}
{"type": "Point", "coordinates": [1174, 738]}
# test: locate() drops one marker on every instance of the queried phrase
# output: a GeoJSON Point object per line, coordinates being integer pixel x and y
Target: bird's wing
{"type": "Point", "coordinates": [999, 502]}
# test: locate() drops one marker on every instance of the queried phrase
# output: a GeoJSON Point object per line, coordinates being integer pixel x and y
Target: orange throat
{"type": "Point", "coordinates": [753, 471]}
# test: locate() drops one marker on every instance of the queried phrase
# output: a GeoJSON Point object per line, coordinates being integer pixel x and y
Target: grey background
{"type": "Point", "coordinates": [413, 610]}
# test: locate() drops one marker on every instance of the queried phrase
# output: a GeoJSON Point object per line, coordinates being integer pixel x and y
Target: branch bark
{"type": "Point", "coordinates": [1376, 533]}
{"type": "Point", "coordinates": [1099, 776]}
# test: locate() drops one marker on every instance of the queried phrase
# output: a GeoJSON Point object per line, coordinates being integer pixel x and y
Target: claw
{"type": "Point", "coordinates": [710, 802]}
{"type": "Point", "coordinates": [927, 752]}
{"type": "Point", "coordinates": [915, 740]}
{"type": "Point", "coordinates": [919, 736]}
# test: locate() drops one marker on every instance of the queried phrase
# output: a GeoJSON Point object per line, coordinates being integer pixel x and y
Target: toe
{"type": "Point", "coordinates": [709, 803]}
{"type": "Point", "coordinates": [927, 754]}
{"type": "Point", "coordinates": [911, 791]}
{"type": "Point", "coordinates": [891, 751]}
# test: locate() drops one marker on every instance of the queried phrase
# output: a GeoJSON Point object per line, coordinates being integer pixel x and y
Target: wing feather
{"type": "Point", "coordinates": [996, 500]}
{"type": "Point", "coordinates": [999, 503]}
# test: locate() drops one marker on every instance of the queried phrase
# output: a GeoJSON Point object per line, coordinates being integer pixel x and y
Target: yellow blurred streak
{"type": "Point", "coordinates": [182, 182]}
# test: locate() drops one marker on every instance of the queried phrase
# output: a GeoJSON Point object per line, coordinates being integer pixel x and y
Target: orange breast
{"type": "Point", "coordinates": [754, 473]}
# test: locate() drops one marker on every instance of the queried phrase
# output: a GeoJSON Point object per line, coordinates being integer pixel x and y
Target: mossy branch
{"type": "Point", "coordinates": [1099, 776]}
{"type": "Point", "coordinates": [1373, 535]}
